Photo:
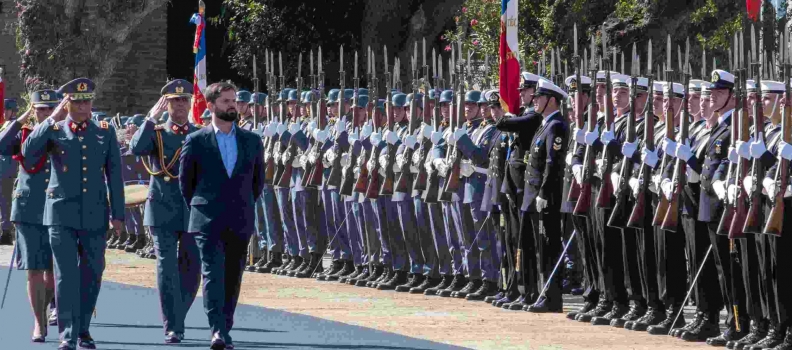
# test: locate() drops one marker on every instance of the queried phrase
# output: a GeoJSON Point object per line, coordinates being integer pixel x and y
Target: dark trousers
{"type": "Point", "coordinates": [780, 260]}
{"type": "Point", "coordinates": [609, 257]}
{"type": "Point", "coordinates": [632, 275]}
{"type": "Point", "coordinates": [548, 247]}
{"type": "Point", "coordinates": [222, 264]}
{"type": "Point", "coordinates": [672, 276]}
{"type": "Point", "coordinates": [528, 281]}
{"type": "Point", "coordinates": [178, 275]}
{"type": "Point", "coordinates": [587, 256]}
{"type": "Point", "coordinates": [647, 261]}
{"type": "Point", "coordinates": [707, 292]}
{"type": "Point", "coordinates": [511, 239]}
{"type": "Point", "coordinates": [729, 274]}
{"type": "Point", "coordinates": [751, 272]}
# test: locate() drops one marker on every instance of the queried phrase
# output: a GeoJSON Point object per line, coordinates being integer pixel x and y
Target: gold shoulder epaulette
{"type": "Point", "coordinates": [104, 124]}
{"type": "Point", "coordinates": [199, 126]}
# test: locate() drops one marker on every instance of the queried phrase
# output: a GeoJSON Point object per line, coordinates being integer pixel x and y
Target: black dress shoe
{"type": "Point", "coordinates": [273, 263]}
{"type": "Point", "coordinates": [416, 280]}
{"type": "Point", "coordinates": [6, 238]}
{"type": "Point", "coordinates": [217, 342]}
{"type": "Point", "coordinates": [651, 317]}
{"type": "Point", "coordinates": [774, 338]}
{"type": "Point", "coordinates": [708, 328]}
{"type": "Point", "coordinates": [471, 287]}
{"type": "Point", "coordinates": [728, 335]}
{"type": "Point", "coordinates": [293, 264]}
{"type": "Point", "coordinates": [445, 281]}
{"type": "Point", "coordinates": [358, 270]}
{"type": "Point", "coordinates": [518, 304]}
{"type": "Point", "coordinates": [399, 278]}
{"type": "Point", "coordinates": [332, 270]}
{"type": "Point", "coordinates": [66, 346]}
{"type": "Point", "coordinates": [757, 332]}
{"type": "Point", "coordinates": [494, 297]}
{"type": "Point", "coordinates": [293, 272]}
{"type": "Point", "coordinates": [286, 260]}
{"type": "Point", "coordinates": [131, 239]}
{"type": "Point", "coordinates": [139, 243]}
{"type": "Point", "coordinates": [172, 338]}
{"type": "Point", "coordinates": [347, 267]}
{"type": "Point", "coordinates": [617, 311]}
{"type": "Point", "coordinates": [666, 325]}
{"type": "Point", "coordinates": [86, 342]}
{"type": "Point", "coordinates": [364, 273]}
{"type": "Point", "coordinates": [544, 305]}
{"type": "Point", "coordinates": [587, 306]}
{"type": "Point", "coordinates": [636, 311]}
{"type": "Point", "coordinates": [787, 343]}
{"type": "Point", "coordinates": [602, 308]}
{"type": "Point", "coordinates": [111, 241]}
{"type": "Point", "coordinates": [508, 299]}
{"type": "Point", "coordinates": [487, 290]}
{"type": "Point", "coordinates": [426, 284]}
{"type": "Point", "coordinates": [459, 282]}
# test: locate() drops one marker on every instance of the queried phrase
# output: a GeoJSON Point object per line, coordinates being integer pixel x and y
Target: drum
{"type": "Point", "coordinates": [135, 195]}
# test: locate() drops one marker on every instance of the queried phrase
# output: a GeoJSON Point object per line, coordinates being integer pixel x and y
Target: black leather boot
{"type": "Point", "coordinates": [347, 267]}
{"type": "Point", "coordinates": [274, 262]}
{"type": "Point", "coordinates": [637, 310]}
{"type": "Point", "coordinates": [399, 278]}
{"type": "Point", "coordinates": [602, 308]}
{"type": "Point", "coordinates": [587, 306]}
{"type": "Point", "coordinates": [415, 280]}
{"type": "Point", "coordinates": [444, 283]}
{"type": "Point", "coordinates": [651, 317]}
{"type": "Point", "coordinates": [617, 311]}
{"type": "Point", "coordinates": [472, 286]}
{"type": "Point", "coordinates": [756, 332]}
{"type": "Point", "coordinates": [664, 327]}
{"type": "Point", "coordinates": [708, 328]}
{"type": "Point", "coordinates": [459, 282]}
{"type": "Point", "coordinates": [774, 338]}
{"type": "Point", "coordinates": [425, 285]}
{"type": "Point", "coordinates": [313, 265]}
{"type": "Point", "coordinates": [140, 242]}
{"type": "Point", "coordinates": [356, 272]}
{"type": "Point", "coordinates": [487, 289]}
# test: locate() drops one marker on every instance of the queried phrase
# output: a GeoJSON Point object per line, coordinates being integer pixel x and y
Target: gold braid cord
{"type": "Point", "coordinates": [165, 169]}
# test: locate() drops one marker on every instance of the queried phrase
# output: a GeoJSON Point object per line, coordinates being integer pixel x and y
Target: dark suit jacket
{"type": "Point", "coordinates": [217, 202]}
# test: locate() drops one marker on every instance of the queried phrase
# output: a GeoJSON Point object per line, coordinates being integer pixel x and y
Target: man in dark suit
{"type": "Point", "coordinates": [221, 177]}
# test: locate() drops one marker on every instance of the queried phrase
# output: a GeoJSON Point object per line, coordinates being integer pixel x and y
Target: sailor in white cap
{"type": "Point", "coordinates": [657, 98]}
{"type": "Point", "coordinates": [694, 99]}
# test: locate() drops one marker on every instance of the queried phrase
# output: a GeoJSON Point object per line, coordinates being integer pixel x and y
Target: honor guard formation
{"type": "Point", "coordinates": [644, 190]}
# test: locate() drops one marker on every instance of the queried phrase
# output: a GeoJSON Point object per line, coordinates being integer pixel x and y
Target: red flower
{"type": "Point", "coordinates": [448, 48]}
{"type": "Point", "coordinates": [464, 10]}
{"type": "Point", "coordinates": [27, 52]}
{"type": "Point", "coordinates": [535, 63]}
{"type": "Point", "coordinates": [442, 37]}
{"type": "Point", "coordinates": [473, 22]}
{"type": "Point", "coordinates": [476, 42]}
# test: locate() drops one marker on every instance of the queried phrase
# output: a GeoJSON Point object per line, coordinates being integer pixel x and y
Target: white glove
{"type": "Point", "coordinates": [667, 187]}
{"type": "Point", "coordinates": [733, 156]}
{"type": "Point", "coordinates": [592, 136]}
{"type": "Point", "coordinates": [383, 161]}
{"type": "Point", "coordinates": [426, 131]}
{"type": "Point", "coordinates": [732, 193]}
{"type": "Point", "coordinates": [353, 136]}
{"type": "Point", "coordinates": [580, 135]}
{"type": "Point", "coordinates": [294, 128]}
{"type": "Point", "coordinates": [655, 184]}
{"type": "Point", "coordinates": [366, 131]}
{"type": "Point", "coordinates": [614, 177]}
{"type": "Point", "coordinates": [634, 186]}
{"type": "Point", "coordinates": [577, 172]}
{"type": "Point", "coordinates": [341, 125]}
{"type": "Point", "coordinates": [466, 169]}
{"type": "Point", "coordinates": [758, 147]}
{"type": "Point", "coordinates": [311, 127]}
{"type": "Point", "coordinates": [436, 137]}
{"type": "Point", "coordinates": [743, 149]}
{"type": "Point", "coordinates": [391, 137]}
{"type": "Point", "coordinates": [321, 135]}
{"type": "Point", "coordinates": [376, 138]}
{"type": "Point", "coordinates": [440, 165]}
{"type": "Point", "coordinates": [345, 160]}
{"type": "Point", "coordinates": [748, 182]}
{"type": "Point", "coordinates": [281, 128]}
{"type": "Point", "coordinates": [769, 187]}
{"type": "Point", "coordinates": [270, 130]}
{"type": "Point", "coordinates": [569, 159]}
{"type": "Point", "coordinates": [607, 137]}
{"type": "Point", "coordinates": [458, 135]}
{"type": "Point", "coordinates": [720, 189]}
{"type": "Point", "coordinates": [628, 149]}
{"type": "Point", "coordinates": [541, 204]}
{"type": "Point", "coordinates": [785, 150]}
{"type": "Point", "coordinates": [649, 157]}
{"type": "Point", "coordinates": [684, 152]}
{"type": "Point", "coordinates": [411, 141]}
{"type": "Point", "coordinates": [669, 147]}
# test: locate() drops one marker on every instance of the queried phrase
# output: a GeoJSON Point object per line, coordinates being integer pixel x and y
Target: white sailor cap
{"type": "Point", "coordinates": [750, 85]}
{"type": "Point", "coordinates": [641, 84]}
{"type": "Point", "coordinates": [601, 76]}
{"type": "Point", "coordinates": [547, 88]}
{"type": "Point", "coordinates": [657, 86]}
{"type": "Point", "coordinates": [721, 79]}
{"type": "Point", "coordinates": [572, 85]}
{"type": "Point", "coordinates": [705, 89]}
{"type": "Point", "coordinates": [529, 80]}
{"type": "Point", "coordinates": [773, 87]}
{"type": "Point", "coordinates": [695, 85]}
{"type": "Point", "coordinates": [620, 80]}
{"type": "Point", "coordinates": [679, 90]}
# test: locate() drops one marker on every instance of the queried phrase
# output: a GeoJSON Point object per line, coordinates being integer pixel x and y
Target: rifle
{"type": "Point", "coordinates": [423, 176]}
{"type": "Point", "coordinates": [638, 213]}
{"type": "Point", "coordinates": [453, 180]}
{"type": "Point", "coordinates": [374, 183]}
{"type": "Point", "coordinates": [663, 203]}
{"type": "Point", "coordinates": [313, 178]}
{"type": "Point", "coordinates": [363, 175]}
{"type": "Point", "coordinates": [618, 215]}
{"type": "Point", "coordinates": [724, 226]}
{"type": "Point", "coordinates": [289, 152]}
{"type": "Point", "coordinates": [775, 220]}
{"type": "Point", "coordinates": [754, 218]}
{"type": "Point", "coordinates": [431, 194]}
{"type": "Point", "coordinates": [580, 119]}
{"type": "Point", "coordinates": [283, 150]}
{"type": "Point", "coordinates": [403, 182]}
{"type": "Point", "coordinates": [334, 158]}
{"type": "Point", "coordinates": [605, 196]}
{"type": "Point", "coordinates": [679, 179]}
{"type": "Point", "coordinates": [741, 202]}
{"type": "Point", "coordinates": [269, 168]}
{"type": "Point", "coordinates": [387, 187]}
{"type": "Point", "coordinates": [589, 166]}
{"type": "Point", "coordinates": [348, 180]}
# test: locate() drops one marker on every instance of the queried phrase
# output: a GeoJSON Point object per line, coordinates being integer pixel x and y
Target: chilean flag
{"type": "Point", "coordinates": [2, 100]}
{"type": "Point", "coordinates": [199, 78]}
{"type": "Point", "coordinates": [509, 57]}
{"type": "Point", "coordinates": [753, 8]}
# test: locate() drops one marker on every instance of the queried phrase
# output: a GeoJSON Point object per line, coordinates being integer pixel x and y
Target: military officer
{"type": "Point", "coordinates": [27, 209]}
{"type": "Point", "coordinates": [85, 166]}
{"type": "Point", "coordinates": [243, 106]}
{"type": "Point", "coordinates": [256, 104]}
{"type": "Point", "coordinates": [206, 118]}
{"type": "Point", "coordinates": [8, 170]}
{"type": "Point", "coordinates": [166, 215]}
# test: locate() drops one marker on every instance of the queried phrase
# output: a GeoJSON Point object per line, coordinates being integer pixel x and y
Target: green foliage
{"type": "Point", "coordinates": [709, 10]}
{"type": "Point", "coordinates": [630, 10]}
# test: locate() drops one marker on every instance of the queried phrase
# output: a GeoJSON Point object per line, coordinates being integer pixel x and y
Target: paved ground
{"type": "Point", "coordinates": [283, 312]}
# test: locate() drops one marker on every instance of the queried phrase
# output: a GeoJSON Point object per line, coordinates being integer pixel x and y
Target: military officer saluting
{"type": "Point", "coordinates": [166, 215]}
{"type": "Point", "coordinates": [7, 176]}
{"type": "Point", "coordinates": [85, 166]}
{"type": "Point", "coordinates": [27, 208]}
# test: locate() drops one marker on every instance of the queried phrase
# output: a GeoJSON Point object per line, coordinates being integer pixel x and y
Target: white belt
{"type": "Point", "coordinates": [481, 170]}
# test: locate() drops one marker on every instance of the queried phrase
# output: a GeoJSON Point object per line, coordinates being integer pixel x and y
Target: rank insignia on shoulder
{"type": "Point", "coordinates": [557, 146]}
{"type": "Point", "coordinates": [718, 146]}
{"type": "Point", "coordinates": [104, 124]}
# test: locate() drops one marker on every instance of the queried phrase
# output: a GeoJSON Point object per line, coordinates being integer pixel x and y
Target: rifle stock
{"type": "Point", "coordinates": [671, 219]}
{"type": "Point", "coordinates": [775, 220]}
{"type": "Point", "coordinates": [605, 195]}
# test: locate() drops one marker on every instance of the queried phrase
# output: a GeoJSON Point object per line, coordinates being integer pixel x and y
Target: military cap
{"type": "Point", "coordinates": [434, 93]}
{"type": "Point", "coordinates": [362, 91]}
{"type": "Point", "coordinates": [294, 95]}
{"type": "Point", "coordinates": [773, 87]}
{"type": "Point", "coordinates": [258, 98]}
{"type": "Point", "coordinates": [472, 96]}
{"type": "Point", "coordinates": [302, 96]}
{"type": "Point", "coordinates": [721, 79]}
{"type": "Point", "coordinates": [80, 89]}
{"type": "Point", "coordinates": [136, 119]}
{"type": "Point", "coordinates": [178, 88]}
{"type": "Point", "coordinates": [309, 97]}
{"type": "Point", "coordinates": [547, 88]}
{"type": "Point", "coordinates": [243, 96]}
{"type": "Point", "coordinates": [399, 100]}
{"type": "Point", "coordinates": [124, 120]}
{"type": "Point", "coordinates": [572, 83]}
{"type": "Point", "coordinates": [283, 95]}
{"type": "Point", "coordinates": [206, 114]}
{"type": "Point", "coordinates": [695, 86]}
{"type": "Point", "coordinates": [349, 94]}
{"type": "Point", "coordinates": [493, 98]}
{"type": "Point", "coordinates": [657, 87]}
{"type": "Point", "coordinates": [332, 96]}
{"type": "Point", "coordinates": [419, 96]}
{"type": "Point", "coordinates": [679, 90]}
{"type": "Point", "coordinates": [447, 96]}
{"type": "Point", "coordinates": [705, 89]}
{"type": "Point", "coordinates": [641, 84]}
{"type": "Point", "coordinates": [620, 81]}
{"type": "Point", "coordinates": [750, 85]}
{"type": "Point", "coordinates": [98, 115]}
{"type": "Point", "coordinates": [529, 80]}
{"type": "Point", "coordinates": [362, 101]}
{"type": "Point", "coordinates": [10, 103]}
{"type": "Point", "coordinates": [601, 76]}
{"type": "Point", "coordinates": [44, 98]}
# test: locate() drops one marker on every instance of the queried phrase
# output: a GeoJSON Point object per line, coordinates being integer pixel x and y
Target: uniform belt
{"type": "Point", "coordinates": [480, 170]}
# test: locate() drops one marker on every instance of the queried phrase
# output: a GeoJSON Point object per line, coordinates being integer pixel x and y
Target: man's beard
{"type": "Point", "coordinates": [228, 116]}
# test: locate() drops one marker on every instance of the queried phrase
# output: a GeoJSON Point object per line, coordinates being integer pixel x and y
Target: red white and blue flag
{"type": "Point", "coordinates": [199, 78]}
{"type": "Point", "coordinates": [2, 99]}
{"type": "Point", "coordinates": [509, 57]}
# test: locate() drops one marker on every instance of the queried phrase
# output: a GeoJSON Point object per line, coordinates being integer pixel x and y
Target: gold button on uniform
{"type": "Point", "coordinates": [84, 157]}
{"type": "Point", "coordinates": [46, 180]}
{"type": "Point", "coordinates": [85, 168]}
{"type": "Point", "coordinates": [84, 146]}
{"type": "Point", "coordinates": [85, 190]}
{"type": "Point", "coordinates": [85, 180]}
